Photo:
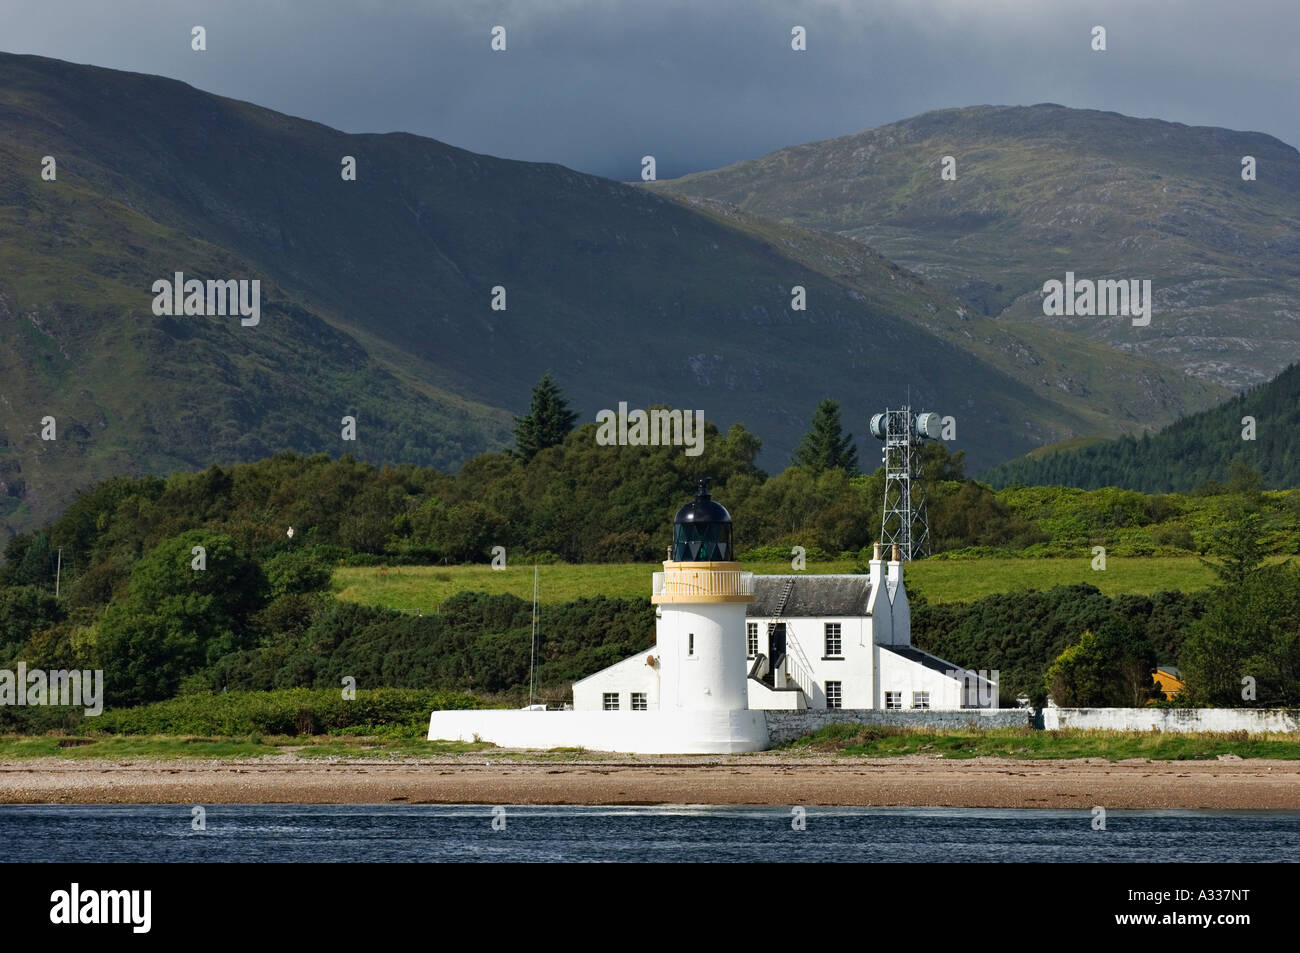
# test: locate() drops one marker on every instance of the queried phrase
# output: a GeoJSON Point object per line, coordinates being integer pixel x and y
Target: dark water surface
{"type": "Point", "coordinates": [359, 833]}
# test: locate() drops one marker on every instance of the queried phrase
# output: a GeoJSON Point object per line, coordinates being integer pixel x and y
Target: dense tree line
{"type": "Point", "coordinates": [1245, 650]}
{"type": "Point", "coordinates": [1020, 634]}
{"type": "Point", "coordinates": [474, 642]}
{"type": "Point", "coordinates": [1240, 644]}
{"type": "Point", "coordinates": [575, 501]}
{"type": "Point", "coordinates": [241, 624]}
{"type": "Point", "coordinates": [1196, 451]}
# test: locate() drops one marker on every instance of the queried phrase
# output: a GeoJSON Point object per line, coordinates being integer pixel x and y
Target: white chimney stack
{"type": "Point", "coordinates": [875, 567]}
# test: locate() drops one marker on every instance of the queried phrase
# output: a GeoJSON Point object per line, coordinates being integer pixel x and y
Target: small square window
{"type": "Point", "coordinates": [611, 701]}
{"type": "Point", "coordinates": [893, 701]}
{"type": "Point", "coordinates": [920, 699]}
{"type": "Point", "coordinates": [639, 702]}
{"type": "Point", "coordinates": [834, 695]}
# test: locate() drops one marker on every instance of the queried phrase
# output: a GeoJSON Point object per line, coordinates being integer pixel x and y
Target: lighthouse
{"type": "Point", "coordinates": [700, 599]}
{"type": "Point", "coordinates": [687, 694]}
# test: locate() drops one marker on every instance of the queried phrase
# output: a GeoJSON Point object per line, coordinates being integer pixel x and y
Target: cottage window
{"type": "Point", "coordinates": [834, 695]}
{"type": "Point", "coordinates": [638, 702]}
{"type": "Point", "coordinates": [920, 699]}
{"type": "Point", "coordinates": [834, 646]}
{"type": "Point", "coordinates": [610, 700]}
{"type": "Point", "coordinates": [893, 701]}
{"type": "Point", "coordinates": [751, 639]}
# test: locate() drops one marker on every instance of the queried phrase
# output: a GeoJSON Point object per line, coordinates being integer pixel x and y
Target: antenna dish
{"type": "Point", "coordinates": [878, 426]}
{"type": "Point", "coordinates": [929, 425]}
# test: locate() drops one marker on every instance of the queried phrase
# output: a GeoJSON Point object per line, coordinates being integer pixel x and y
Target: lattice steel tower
{"type": "Point", "coordinates": [903, 522]}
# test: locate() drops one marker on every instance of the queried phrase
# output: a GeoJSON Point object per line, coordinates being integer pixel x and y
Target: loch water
{"type": "Point", "coordinates": [513, 834]}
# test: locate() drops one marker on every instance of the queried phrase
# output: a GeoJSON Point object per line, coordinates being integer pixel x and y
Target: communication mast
{"type": "Point", "coordinates": [903, 522]}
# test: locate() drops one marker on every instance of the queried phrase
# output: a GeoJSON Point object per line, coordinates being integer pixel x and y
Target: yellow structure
{"type": "Point", "coordinates": [1166, 679]}
{"type": "Point", "coordinates": [702, 582]}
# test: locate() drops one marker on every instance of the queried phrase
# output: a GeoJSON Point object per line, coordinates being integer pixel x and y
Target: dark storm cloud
{"type": "Point", "coordinates": [698, 84]}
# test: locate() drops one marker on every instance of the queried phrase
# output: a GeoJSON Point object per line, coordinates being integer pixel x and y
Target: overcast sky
{"type": "Point", "coordinates": [697, 83]}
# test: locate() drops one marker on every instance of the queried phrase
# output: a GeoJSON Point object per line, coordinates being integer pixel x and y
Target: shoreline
{"type": "Point", "coordinates": [776, 780]}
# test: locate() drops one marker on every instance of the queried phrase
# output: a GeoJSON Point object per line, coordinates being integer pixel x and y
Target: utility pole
{"type": "Point", "coordinates": [532, 666]}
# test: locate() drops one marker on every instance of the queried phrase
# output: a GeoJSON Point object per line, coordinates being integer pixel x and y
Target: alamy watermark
{"type": "Point", "coordinates": [654, 428]}
{"type": "Point", "coordinates": [129, 907]}
{"type": "Point", "coordinates": [1088, 298]}
{"type": "Point", "coordinates": [209, 299]}
{"type": "Point", "coordinates": [61, 688]}
{"type": "Point", "coordinates": [979, 689]}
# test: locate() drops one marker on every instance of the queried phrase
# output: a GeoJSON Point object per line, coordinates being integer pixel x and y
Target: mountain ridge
{"type": "Point", "coordinates": [1040, 190]}
{"type": "Point", "coordinates": [377, 299]}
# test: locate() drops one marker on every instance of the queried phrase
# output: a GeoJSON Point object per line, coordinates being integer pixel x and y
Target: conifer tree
{"type": "Point", "coordinates": [826, 446]}
{"type": "Point", "coordinates": [548, 421]}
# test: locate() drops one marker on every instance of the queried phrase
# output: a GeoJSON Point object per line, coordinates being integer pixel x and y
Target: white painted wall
{"type": "Point", "coordinates": [897, 674]}
{"type": "Point", "coordinates": [624, 678]}
{"type": "Point", "coordinates": [713, 676]}
{"type": "Point", "coordinates": [642, 732]}
{"type": "Point", "coordinates": [762, 698]}
{"type": "Point", "coordinates": [1174, 719]}
{"type": "Point", "coordinates": [809, 666]}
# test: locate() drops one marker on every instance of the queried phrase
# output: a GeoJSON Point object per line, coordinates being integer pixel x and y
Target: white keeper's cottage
{"type": "Point", "coordinates": [729, 645]}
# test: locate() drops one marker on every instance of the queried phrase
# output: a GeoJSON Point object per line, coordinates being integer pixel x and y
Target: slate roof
{"type": "Point", "coordinates": [831, 595]}
{"type": "Point", "coordinates": [923, 658]}
{"type": "Point", "coordinates": [929, 661]}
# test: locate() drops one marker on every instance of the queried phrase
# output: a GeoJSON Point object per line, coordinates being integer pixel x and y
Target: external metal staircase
{"type": "Point", "coordinates": [765, 670]}
{"type": "Point", "coordinates": [776, 620]}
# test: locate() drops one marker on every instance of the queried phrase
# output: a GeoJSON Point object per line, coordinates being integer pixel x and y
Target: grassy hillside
{"type": "Point", "coordinates": [131, 392]}
{"type": "Point", "coordinates": [1043, 189]}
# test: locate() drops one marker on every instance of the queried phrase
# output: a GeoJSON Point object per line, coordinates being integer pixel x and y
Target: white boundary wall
{"type": "Point", "coordinates": [643, 732]}
{"type": "Point", "coordinates": [1255, 720]}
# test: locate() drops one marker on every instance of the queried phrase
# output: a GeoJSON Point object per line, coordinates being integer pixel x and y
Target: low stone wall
{"type": "Point", "coordinates": [784, 726]}
{"type": "Point", "coordinates": [1254, 720]}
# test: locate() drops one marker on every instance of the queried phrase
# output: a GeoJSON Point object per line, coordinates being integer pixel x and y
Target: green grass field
{"type": "Point", "coordinates": [163, 747]}
{"type": "Point", "coordinates": [424, 588]}
{"type": "Point", "coordinates": [95, 746]}
{"type": "Point", "coordinates": [847, 740]}
{"type": "Point", "coordinates": [1025, 743]}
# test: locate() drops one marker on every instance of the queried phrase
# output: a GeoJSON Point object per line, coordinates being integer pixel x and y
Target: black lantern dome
{"type": "Point", "coordinates": [702, 529]}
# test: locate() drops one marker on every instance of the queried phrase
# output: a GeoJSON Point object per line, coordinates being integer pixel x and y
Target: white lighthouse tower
{"type": "Point", "coordinates": [700, 600]}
